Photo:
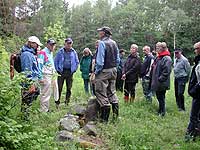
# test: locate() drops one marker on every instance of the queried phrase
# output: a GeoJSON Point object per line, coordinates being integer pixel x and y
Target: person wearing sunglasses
{"type": "Point", "coordinates": [66, 63]}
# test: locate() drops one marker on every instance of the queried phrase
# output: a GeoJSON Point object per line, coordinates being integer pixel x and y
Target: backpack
{"type": "Point", "coordinates": [15, 63]}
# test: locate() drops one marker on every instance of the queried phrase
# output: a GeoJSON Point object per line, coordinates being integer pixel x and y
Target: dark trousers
{"type": "Point", "coordinates": [161, 100]}
{"type": "Point", "coordinates": [27, 99]}
{"type": "Point", "coordinates": [194, 115]}
{"type": "Point", "coordinates": [179, 84]}
{"type": "Point", "coordinates": [129, 88]}
{"type": "Point", "coordinates": [68, 77]}
{"type": "Point", "coordinates": [119, 82]}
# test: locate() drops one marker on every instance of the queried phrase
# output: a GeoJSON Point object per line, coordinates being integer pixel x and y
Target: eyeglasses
{"type": "Point", "coordinates": [69, 42]}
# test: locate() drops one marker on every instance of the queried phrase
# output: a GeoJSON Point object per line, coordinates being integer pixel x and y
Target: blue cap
{"type": "Point", "coordinates": [68, 40]}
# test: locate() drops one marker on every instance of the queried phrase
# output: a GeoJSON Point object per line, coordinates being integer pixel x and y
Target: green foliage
{"type": "Point", "coordinates": [16, 134]}
{"type": "Point", "coordinates": [13, 43]}
{"type": "Point", "coordinates": [55, 31]}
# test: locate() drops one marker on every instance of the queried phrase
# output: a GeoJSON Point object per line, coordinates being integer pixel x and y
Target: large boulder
{"type": "Point", "coordinates": [92, 110]}
{"type": "Point", "coordinates": [69, 123]}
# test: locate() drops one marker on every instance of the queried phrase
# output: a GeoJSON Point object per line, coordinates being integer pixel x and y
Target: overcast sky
{"type": "Point", "coordinates": [78, 2]}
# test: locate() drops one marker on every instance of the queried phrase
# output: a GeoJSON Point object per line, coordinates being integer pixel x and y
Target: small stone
{"type": "Point", "coordinates": [90, 129]}
{"type": "Point", "coordinates": [69, 123]}
{"type": "Point", "coordinates": [87, 144]}
{"type": "Point", "coordinates": [78, 110]}
{"type": "Point", "coordinates": [64, 136]}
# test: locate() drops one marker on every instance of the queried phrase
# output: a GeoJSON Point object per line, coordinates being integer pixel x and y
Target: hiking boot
{"type": "Point", "coordinates": [105, 112]}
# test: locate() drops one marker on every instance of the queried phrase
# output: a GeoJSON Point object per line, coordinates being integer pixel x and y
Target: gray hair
{"type": "Point", "coordinates": [134, 45]}
{"type": "Point", "coordinates": [87, 49]}
{"type": "Point", "coordinates": [197, 44]}
{"type": "Point", "coordinates": [147, 47]}
{"type": "Point", "coordinates": [162, 44]}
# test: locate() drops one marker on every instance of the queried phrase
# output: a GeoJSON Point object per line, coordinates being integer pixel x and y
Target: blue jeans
{"type": "Point", "coordinates": [179, 84]}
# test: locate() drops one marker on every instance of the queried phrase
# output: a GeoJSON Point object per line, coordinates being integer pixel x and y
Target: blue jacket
{"type": "Point", "coordinates": [29, 63]}
{"type": "Point", "coordinates": [59, 60]}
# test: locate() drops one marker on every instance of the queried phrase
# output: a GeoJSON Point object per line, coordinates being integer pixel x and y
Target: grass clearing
{"type": "Point", "coordinates": [138, 128]}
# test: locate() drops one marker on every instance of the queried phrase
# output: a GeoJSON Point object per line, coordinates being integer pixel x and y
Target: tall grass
{"type": "Point", "coordinates": [138, 128]}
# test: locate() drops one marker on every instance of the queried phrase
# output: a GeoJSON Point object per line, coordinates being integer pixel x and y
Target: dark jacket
{"type": "Point", "coordinates": [160, 75]}
{"type": "Point", "coordinates": [85, 66]}
{"type": "Point", "coordinates": [194, 85]}
{"type": "Point", "coordinates": [111, 52]}
{"type": "Point", "coordinates": [146, 65]}
{"type": "Point", "coordinates": [132, 68]}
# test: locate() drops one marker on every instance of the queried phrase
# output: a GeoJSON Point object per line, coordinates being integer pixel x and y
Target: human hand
{"type": "Point", "coordinates": [32, 89]}
{"type": "Point", "coordinates": [92, 77]}
{"type": "Point", "coordinates": [123, 77]}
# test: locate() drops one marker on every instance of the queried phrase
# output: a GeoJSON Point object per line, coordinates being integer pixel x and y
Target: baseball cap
{"type": "Point", "coordinates": [105, 29]}
{"type": "Point", "coordinates": [51, 41]}
{"type": "Point", "coordinates": [178, 50]}
{"type": "Point", "coordinates": [34, 39]}
{"type": "Point", "coordinates": [68, 40]}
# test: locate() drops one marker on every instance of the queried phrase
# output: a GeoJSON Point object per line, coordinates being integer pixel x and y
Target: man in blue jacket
{"type": "Point", "coordinates": [30, 69]}
{"type": "Point", "coordinates": [66, 63]}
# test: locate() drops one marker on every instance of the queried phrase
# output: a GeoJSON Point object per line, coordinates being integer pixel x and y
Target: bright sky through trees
{"type": "Point", "coordinates": [79, 2]}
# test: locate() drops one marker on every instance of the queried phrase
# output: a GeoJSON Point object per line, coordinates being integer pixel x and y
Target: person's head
{"type": "Point", "coordinates": [122, 52]}
{"type": "Point", "coordinates": [161, 46]}
{"type": "Point", "coordinates": [146, 50]}
{"type": "Point", "coordinates": [104, 32]}
{"type": "Point", "coordinates": [133, 49]}
{"type": "Point", "coordinates": [197, 48]}
{"type": "Point", "coordinates": [51, 44]}
{"type": "Point", "coordinates": [178, 53]}
{"type": "Point", "coordinates": [68, 43]}
{"type": "Point", "coordinates": [34, 42]}
{"type": "Point", "coordinates": [87, 52]}
{"type": "Point", "coordinates": [97, 44]}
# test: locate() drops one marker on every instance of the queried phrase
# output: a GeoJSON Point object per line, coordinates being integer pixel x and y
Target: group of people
{"type": "Point", "coordinates": [108, 70]}
{"type": "Point", "coordinates": [39, 65]}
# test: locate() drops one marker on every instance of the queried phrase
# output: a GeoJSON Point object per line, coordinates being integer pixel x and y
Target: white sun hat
{"type": "Point", "coordinates": [34, 39]}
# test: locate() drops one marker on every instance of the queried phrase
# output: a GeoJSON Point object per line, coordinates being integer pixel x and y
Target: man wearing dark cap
{"type": "Point", "coordinates": [107, 59]}
{"type": "Point", "coordinates": [66, 63]}
{"type": "Point", "coordinates": [47, 70]}
{"type": "Point", "coordinates": [181, 75]}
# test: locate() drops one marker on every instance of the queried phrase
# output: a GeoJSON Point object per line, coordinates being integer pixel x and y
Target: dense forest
{"type": "Point", "coordinates": [132, 21]}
